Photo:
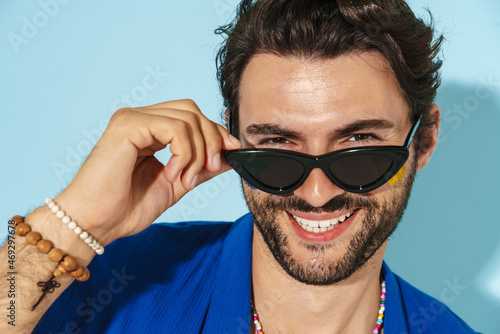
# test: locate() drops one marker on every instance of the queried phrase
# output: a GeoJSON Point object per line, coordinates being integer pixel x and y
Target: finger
{"type": "Point", "coordinates": [197, 162]}
{"type": "Point", "coordinates": [210, 145]}
{"type": "Point", "coordinates": [215, 135]}
{"type": "Point", "coordinates": [213, 144]}
{"type": "Point", "coordinates": [128, 134]}
{"type": "Point", "coordinates": [229, 142]}
{"type": "Point", "coordinates": [184, 140]}
{"type": "Point", "coordinates": [188, 169]}
{"type": "Point", "coordinates": [183, 135]}
{"type": "Point", "coordinates": [183, 104]}
{"type": "Point", "coordinates": [206, 175]}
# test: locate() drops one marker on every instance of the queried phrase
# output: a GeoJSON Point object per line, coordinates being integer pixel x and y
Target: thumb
{"type": "Point", "coordinates": [206, 175]}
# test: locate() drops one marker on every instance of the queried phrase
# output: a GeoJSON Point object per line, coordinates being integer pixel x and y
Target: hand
{"type": "Point", "coordinates": [122, 188]}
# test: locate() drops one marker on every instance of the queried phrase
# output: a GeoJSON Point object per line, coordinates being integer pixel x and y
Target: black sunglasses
{"type": "Point", "coordinates": [357, 170]}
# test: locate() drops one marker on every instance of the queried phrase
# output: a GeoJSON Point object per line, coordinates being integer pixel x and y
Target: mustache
{"type": "Point", "coordinates": [340, 202]}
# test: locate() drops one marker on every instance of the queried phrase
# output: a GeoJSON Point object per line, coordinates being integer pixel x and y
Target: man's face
{"type": "Point", "coordinates": [315, 107]}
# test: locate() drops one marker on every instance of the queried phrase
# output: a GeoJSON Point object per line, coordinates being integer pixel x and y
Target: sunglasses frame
{"type": "Point", "coordinates": [398, 155]}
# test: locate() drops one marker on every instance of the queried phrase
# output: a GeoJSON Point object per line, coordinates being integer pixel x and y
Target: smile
{"type": "Point", "coordinates": [320, 226]}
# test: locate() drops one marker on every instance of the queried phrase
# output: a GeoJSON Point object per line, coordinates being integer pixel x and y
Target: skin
{"type": "Point", "coordinates": [111, 202]}
{"type": "Point", "coordinates": [315, 99]}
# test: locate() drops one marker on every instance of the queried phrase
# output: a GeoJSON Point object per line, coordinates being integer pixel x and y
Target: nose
{"type": "Point", "coordinates": [317, 189]}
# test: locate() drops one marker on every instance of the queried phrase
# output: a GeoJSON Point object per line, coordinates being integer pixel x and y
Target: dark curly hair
{"type": "Point", "coordinates": [325, 29]}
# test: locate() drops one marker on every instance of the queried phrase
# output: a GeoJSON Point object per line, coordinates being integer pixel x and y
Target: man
{"type": "Point", "coordinates": [301, 79]}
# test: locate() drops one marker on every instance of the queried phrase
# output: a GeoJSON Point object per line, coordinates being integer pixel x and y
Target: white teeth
{"type": "Point", "coordinates": [320, 226]}
{"type": "Point", "coordinates": [325, 223]}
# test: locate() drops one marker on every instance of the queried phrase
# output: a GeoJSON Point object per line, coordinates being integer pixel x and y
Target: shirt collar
{"type": "Point", "coordinates": [229, 308]}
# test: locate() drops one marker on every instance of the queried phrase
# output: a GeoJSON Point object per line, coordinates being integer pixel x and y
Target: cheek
{"type": "Point", "coordinates": [249, 185]}
{"type": "Point", "coordinates": [253, 195]}
{"type": "Point", "coordinates": [250, 190]}
{"type": "Point", "coordinates": [403, 182]}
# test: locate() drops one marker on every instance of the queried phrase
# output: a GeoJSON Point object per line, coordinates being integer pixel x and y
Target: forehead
{"type": "Point", "coordinates": [302, 92]}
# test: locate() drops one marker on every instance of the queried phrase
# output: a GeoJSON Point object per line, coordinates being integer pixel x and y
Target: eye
{"type": "Point", "coordinates": [361, 137]}
{"type": "Point", "coordinates": [275, 140]}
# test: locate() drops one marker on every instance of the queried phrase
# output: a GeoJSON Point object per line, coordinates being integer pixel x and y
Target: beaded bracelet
{"type": "Point", "coordinates": [67, 263]}
{"type": "Point", "coordinates": [84, 235]}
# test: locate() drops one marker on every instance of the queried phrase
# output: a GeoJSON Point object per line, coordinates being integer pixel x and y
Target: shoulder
{"type": "Point", "coordinates": [180, 233]}
{"type": "Point", "coordinates": [423, 313]}
{"type": "Point", "coordinates": [168, 264]}
{"type": "Point", "coordinates": [168, 241]}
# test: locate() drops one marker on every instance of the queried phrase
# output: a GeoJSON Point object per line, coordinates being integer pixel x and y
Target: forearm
{"type": "Point", "coordinates": [22, 267]}
{"type": "Point", "coordinates": [119, 191]}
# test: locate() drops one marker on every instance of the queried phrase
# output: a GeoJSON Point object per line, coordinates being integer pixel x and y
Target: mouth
{"type": "Point", "coordinates": [321, 226]}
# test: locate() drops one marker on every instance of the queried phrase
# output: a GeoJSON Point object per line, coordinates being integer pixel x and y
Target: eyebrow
{"type": "Point", "coordinates": [271, 129]}
{"type": "Point", "coordinates": [363, 125]}
{"type": "Point", "coordinates": [276, 130]}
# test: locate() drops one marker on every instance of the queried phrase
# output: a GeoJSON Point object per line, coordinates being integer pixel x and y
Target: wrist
{"type": "Point", "coordinates": [86, 218]}
{"type": "Point", "coordinates": [44, 221]}
{"type": "Point", "coordinates": [73, 226]}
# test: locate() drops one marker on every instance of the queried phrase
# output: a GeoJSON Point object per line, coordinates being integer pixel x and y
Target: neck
{"type": "Point", "coordinates": [285, 305]}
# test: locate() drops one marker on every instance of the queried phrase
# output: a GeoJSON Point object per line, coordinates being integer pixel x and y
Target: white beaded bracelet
{"type": "Point", "coordinates": [84, 235]}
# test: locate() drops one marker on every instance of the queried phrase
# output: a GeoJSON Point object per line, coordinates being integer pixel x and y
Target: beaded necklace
{"type": "Point", "coordinates": [376, 329]}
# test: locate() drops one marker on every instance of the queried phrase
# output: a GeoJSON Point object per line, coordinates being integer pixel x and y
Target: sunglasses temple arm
{"type": "Point", "coordinates": [230, 122]}
{"type": "Point", "coordinates": [412, 132]}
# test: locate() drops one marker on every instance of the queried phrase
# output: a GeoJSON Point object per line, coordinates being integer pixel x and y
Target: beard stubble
{"type": "Point", "coordinates": [380, 220]}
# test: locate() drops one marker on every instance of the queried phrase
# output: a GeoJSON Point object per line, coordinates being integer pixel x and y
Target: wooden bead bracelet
{"type": "Point", "coordinates": [67, 263]}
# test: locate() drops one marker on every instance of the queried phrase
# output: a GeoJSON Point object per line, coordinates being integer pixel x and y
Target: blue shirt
{"type": "Point", "coordinates": [195, 278]}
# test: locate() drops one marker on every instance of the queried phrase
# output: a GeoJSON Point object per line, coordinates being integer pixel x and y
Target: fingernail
{"type": "Point", "coordinates": [194, 183]}
{"type": "Point", "coordinates": [217, 161]}
{"type": "Point", "coordinates": [234, 140]}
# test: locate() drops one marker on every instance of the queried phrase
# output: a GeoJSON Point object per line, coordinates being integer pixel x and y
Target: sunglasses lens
{"type": "Point", "coordinates": [360, 170]}
{"type": "Point", "coordinates": [274, 172]}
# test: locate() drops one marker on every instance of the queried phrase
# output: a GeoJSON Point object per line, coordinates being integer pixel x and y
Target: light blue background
{"type": "Point", "coordinates": [60, 86]}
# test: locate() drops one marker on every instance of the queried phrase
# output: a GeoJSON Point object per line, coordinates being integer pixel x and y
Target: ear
{"type": "Point", "coordinates": [226, 118]}
{"type": "Point", "coordinates": [429, 138]}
